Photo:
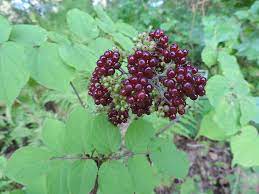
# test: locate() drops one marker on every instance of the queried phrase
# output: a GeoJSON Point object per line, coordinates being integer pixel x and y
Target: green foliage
{"type": "Point", "coordinates": [168, 159]}
{"type": "Point", "coordinates": [28, 34]}
{"type": "Point", "coordinates": [114, 178]}
{"type": "Point", "coordinates": [244, 147]}
{"type": "Point", "coordinates": [13, 72]}
{"type": "Point", "coordinates": [83, 144]}
{"type": "Point", "coordinates": [5, 29]}
{"type": "Point", "coordinates": [82, 25]}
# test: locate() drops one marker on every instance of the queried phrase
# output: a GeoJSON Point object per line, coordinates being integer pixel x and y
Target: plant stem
{"type": "Point", "coordinates": [77, 94]}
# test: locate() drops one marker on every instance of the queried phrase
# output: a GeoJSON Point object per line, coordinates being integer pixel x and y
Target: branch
{"type": "Point", "coordinates": [77, 94]}
{"type": "Point", "coordinates": [162, 130]}
{"type": "Point", "coordinates": [71, 158]}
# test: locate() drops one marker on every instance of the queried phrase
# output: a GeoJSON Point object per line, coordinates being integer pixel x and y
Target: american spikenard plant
{"type": "Point", "coordinates": [129, 78]}
{"type": "Point", "coordinates": [88, 153]}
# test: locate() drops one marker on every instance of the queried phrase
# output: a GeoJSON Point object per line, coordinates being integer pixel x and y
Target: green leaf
{"type": "Point", "coordinates": [106, 137]}
{"type": "Point", "coordinates": [82, 175]}
{"type": "Point", "coordinates": [138, 135]}
{"type": "Point", "coordinates": [249, 47]}
{"type": "Point", "coordinates": [100, 45]}
{"type": "Point", "coordinates": [229, 66]}
{"type": "Point", "coordinates": [217, 87]}
{"type": "Point", "coordinates": [58, 38]}
{"type": "Point", "coordinates": [13, 72]}
{"type": "Point", "coordinates": [5, 29]}
{"type": "Point", "coordinates": [79, 131]}
{"type": "Point", "coordinates": [53, 135]}
{"type": "Point", "coordinates": [82, 25]}
{"type": "Point", "coordinates": [47, 68]}
{"type": "Point", "coordinates": [124, 41]}
{"type": "Point", "coordinates": [188, 186]}
{"type": "Point", "coordinates": [104, 22]}
{"type": "Point", "coordinates": [114, 178]}
{"type": "Point", "coordinates": [3, 163]}
{"type": "Point", "coordinates": [210, 129]}
{"type": "Point", "coordinates": [105, 27]}
{"type": "Point", "coordinates": [221, 28]}
{"type": "Point", "coordinates": [37, 185]}
{"type": "Point", "coordinates": [249, 110]}
{"type": "Point", "coordinates": [139, 168]}
{"type": "Point", "coordinates": [28, 34]}
{"type": "Point", "coordinates": [28, 163]}
{"type": "Point", "coordinates": [78, 56]}
{"type": "Point", "coordinates": [209, 54]}
{"type": "Point", "coordinates": [57, 177]}
{"type": "Point", "coordinates": [126, 29]}
{"type": "Point", "coordinates": [227, 115]}
{"type": "Point", "coordinates": [245, 147]}
{"type": "Point", "coordinates": [168, 159]}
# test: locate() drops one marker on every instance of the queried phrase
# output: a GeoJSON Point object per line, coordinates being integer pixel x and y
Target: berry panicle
{"type": "Point", "coordinates": [159, 78]}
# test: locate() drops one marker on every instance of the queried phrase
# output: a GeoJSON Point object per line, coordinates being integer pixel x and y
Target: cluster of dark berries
{"type": "Point", "coordinates": [117, 117]}
{"type": "Point", "coordinates": [106, 66]}
{"type": "Point", "coordinates": [159, 78]}
{"type": "Point", "coordinates": [137, 91]}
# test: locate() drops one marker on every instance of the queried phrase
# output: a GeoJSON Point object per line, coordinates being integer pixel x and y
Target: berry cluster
{"type": "Point", "coordinates": [117, 117]}
{"type": "Point", "coordinates": [106, 66]}
{"type": "Point", "coordinates": [137, 91]}
{"type": "Point", "coordinates": [158, 78]}
{"type": "Point", "coordinates": [142, 64]}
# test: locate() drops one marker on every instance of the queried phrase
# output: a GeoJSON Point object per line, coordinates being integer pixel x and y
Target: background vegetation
{"type": "Point", "coordinates": [219, 133]}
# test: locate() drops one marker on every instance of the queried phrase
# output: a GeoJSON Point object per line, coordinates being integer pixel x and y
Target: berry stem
{"type": "Point", "coordinates": [160, 90]}
{"type": "Point", "coordinates": [77, 94]}
{"type": "Point", "coordinates": [122, 71]}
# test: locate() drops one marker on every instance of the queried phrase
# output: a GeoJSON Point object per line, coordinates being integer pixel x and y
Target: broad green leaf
{"type": "Point", "coordinates": [168, 159]}
{"type": "Point", "coordinates": [106, 137]}
{"type": "Point", "coordinates": [13, 72]}
{"type": "Point", "coordinates": [82, 175]}
{"type": "Point", "coordinates": [220, 28]}
{"type": "Point", "coordinates": [57, 177]}
{"type": "Point", "coordinates": [58, 38]}
{"type": "Point", "coordinates": [105, 27]}
{"type": "Point", "coordinates": [209, 54]}
{"type": "Point", "coordinates": [138, 135]}
{"type": "Point", "coordinates": [28, 34]}
{"type": "Point", "coordinates": [249, 47]}
{"type": "Point", "coordinates": [126, 29]}
{"type": "Point", "coordinates": [114, 178]}
{"type": "Point", "coordinates": [78, 56]}
{"type": "Point", "coordinates": [143, 175]}
{"type": "Point", "coordinates": [123, 41]}
{"type": "Point", "coordinates": [217, 87]}
{"type": "Point", "coordinates": [53, 135]}
{"type": "Point", "coordinates": [5, 29]}
{"type": "Point", "coordinates": [248, 108]}
{"type": "Point", "coordinates": [3, 163]}
{"type": "Point", "coordinates": [82, 25]}
{"type": "Point", "coordinates": [229, 66]}
{"type": "Point", "coordinates": [79, 131]}
{"type": "Point", "coordinates": [104, 21]}
{"type": "Point", "coordinates": [47, 68]}
{"type": "Point", "coordinates": [28, 163]}
{"type": "Point", "coordinates": [245, 147]}
{"type": "Point", "coordinates": [188, 186]}
{"type": "Point", "coordinates": [37, 185]}
{"type": "Point", "coordinates": [227, 115]}
{"type": "Point", "coordinates": [100, 45]}
{"type": "Point", "coordinates": [210, 129]}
